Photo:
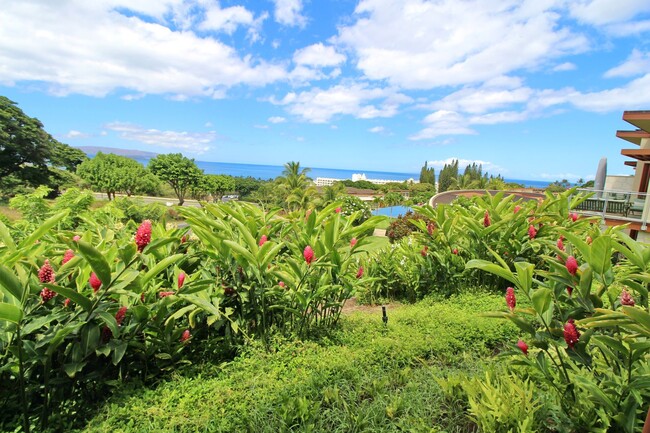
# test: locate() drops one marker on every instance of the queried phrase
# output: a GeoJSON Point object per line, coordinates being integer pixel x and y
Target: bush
{"type": "Point", "coordinates": [351, 204]}
{"type": "Point", "coordinates": [402, 226]}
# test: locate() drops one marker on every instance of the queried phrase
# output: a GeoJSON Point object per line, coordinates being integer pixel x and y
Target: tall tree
{"type": "Point", "coordinates": [112, 173]}
{"type": "Point", "coordinates": [447, 175]}
{"type": "Point", "coordinates": [179, 172]}
{"type": "Point", "coordinates": [428, 174]}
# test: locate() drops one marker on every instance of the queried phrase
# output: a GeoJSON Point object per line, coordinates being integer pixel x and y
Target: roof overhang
{"type": "Point", "coordinates": [630, 163]}
{"type": "Point", "coordinates": [640, 119]}
{"type": "Point", "coordinates": [640, 154]}
{"type": "Point", "coordinates": [633, 136]}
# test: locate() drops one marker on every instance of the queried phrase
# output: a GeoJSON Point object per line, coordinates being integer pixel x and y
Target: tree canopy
{"type": "Point", "coordinates": [112, 173]}
{"type": "Point", "coordinates": [179, 172]}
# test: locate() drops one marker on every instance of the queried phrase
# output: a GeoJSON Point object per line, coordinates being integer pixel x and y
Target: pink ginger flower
{"type": "Point", "coordinates": [571, 265]}
{"type": "Point", "coordinates": [560, 244]}
{"type": "Point", "coordinates": [263, 240]}
{"type": "Point", "coordinates": [76, 238]}
{"type": "Point", "coordinates": [532, 232]}
{"type": "Point", "coordinates": [569, 290]}
{"type": "Point", "coordinates": [46, 273]}
{"type": "Point", "coordinates": [353, 242]}
{"type": "Point", "coordinates": [181, 280]}
{"type": "Point", "coordinates": [511, 300]}
{"type": "Point", "coordinates": [67, 256]}
{"type": "Point", "coordinates": [66, 303]}
{"type": "Point", "coordinates": [571, 334]}
{"type": "Point", "coordinates": [486, 219]}
{"type": "Point", "coordinates": [523, 347]}
{"type": "Point", "coordinates": [95, 282]}
{"type": "Point", "coordinates": [308, 254]}
{"type": "Point", "coordinates": [455, 251]}
{"type": "Point", "coordinates": [47, 294]}
{"type": "Point", "coordinates": [119, 316]}
{"type": "Point", "coordinates": [185, 336]}
{"type": "Point", "coordinates": [337, 210]}
{"type": "Point", "coordinates": [573, 216]}
{"type": "Point", "coordinates": [516, 209]}
{"type": "Point", "coordinates": [430, 228]}
{"type": "Point", "coordinates": [424, 250]}
{"type": "Point", "coordinates": [627, 299]}
{"type": "Point", "coordinates": [165, 294]}
{"type": "Point", "coordinates": [589, 240]}
{"type": "Point", "coordinates": [107, 334]}
{"type": "Point", "coordinates": [360, 272]}
{"type": "Point", "coordinates": [143, 235]}
{"type": "Point", "coordinates": [183, 239]}
{"type": "Point", "coordinates": [281, 284]}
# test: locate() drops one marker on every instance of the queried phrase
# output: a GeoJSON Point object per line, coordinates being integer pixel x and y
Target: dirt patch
{"type": "Point", "coordinates": [352, 306]}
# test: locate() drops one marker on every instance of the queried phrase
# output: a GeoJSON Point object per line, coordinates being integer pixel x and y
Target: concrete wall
{"type": "Point", "coordinates": [619, 183]}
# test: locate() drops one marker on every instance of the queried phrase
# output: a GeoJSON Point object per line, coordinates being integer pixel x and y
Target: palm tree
{"type": "Point", "coordinates": [293, 176]}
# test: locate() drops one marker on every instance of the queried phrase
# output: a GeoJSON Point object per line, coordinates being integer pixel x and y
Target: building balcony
{"type": "Point", "coordinates": [615, 207]}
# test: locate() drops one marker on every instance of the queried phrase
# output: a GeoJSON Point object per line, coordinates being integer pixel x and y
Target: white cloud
{"type": "Point", "coordinates": [277, 119]}
{"type": "Point", "coordinates": [318, 55]}
{"type": "Point", "coordinates": [359, 100]}
{"type": "Point", "coordinates": [571, 177]}
{"type": "Point", "coordinates": [443, 122]}
{"type": "Point", "coordinates": [72, 134]}
{"type": "Point", "coordinates": [602, 12]}
{"type": "Point", "coordinates": [462, 163]}
{"type": "Point", "coordinates": [635, 95]}
{"type": "Point", "coordinates": [377, 129]}
{"type": "Point", "coordinates": [193, 142]}
{"type": "Point", "coordinates": [566, 66]}
{"type": "Point", "coordinates": [288, 12]}
{"type": "Point", "coordinates": [418, 44]}
{"type": "Point", "coordinates": [480, 100]}
{"type": "Point", "coordinates": [91, 48]}
{"type": "Point", "coordinates": [638, 63]}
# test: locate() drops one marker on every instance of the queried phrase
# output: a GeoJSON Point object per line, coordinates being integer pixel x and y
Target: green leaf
{"type": "Point", "coordinates": [56, 341]}
{"type": "Point", "coordinates": [639, 316]}
{"type": "Point", "coordinates": [75, 296]}
{"type": "Point", "coordinates": [542, 298]}
{"type": "Point", "coordinates": [73, 368]}
{"type": "Point", "coordinates": [119, 351]}
{"type": "Point", "coordinates": [96, 261]}
{"type": "Point", "coordinates": [525, 275]}
{"type": "Point", "coordinates": [43, 228]}
{"type": "Point", "coordinates": [601, 252]}
{"type": "Point", "coordinates": [243, 252]}
{"type": "Point", "coordinates": [6, 238]}
{"type": "Point", "coordinates": [490, 267]}
{"type": "Point", "coordinates": [110, 321]}
{"type": "Point", "coordinates": [160, 266]}
{"type": "Point", "coordinates": [10, 283]}
{"type": "Point", "coordinates": [89, 338]}
{"type": "Point", "coordinates": [10, 313]}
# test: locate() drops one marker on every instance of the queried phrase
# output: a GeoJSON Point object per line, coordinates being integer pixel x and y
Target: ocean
{"type": "Point", "coordinates": [272, 171]}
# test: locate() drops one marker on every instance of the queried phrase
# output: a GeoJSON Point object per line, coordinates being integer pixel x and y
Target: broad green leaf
{"type": "Point", "coordinates": [109, 320]}
{"type": "Point", "coordinates": [160, 266]}
{"type": "Point", "coordinates": [119, 351]}
{"type": "Point", "coordinates": [542, 298]}
{"type": "Point", "coordinates": [72, 368]}
{"type": "Point", "coordinates": [97, 262]}
{"type": "Point", "coordinates": [56, 341]}
{"type": "Point", "coordinates": [75, 296]}
{"type": "Point", "coordinates": [43, 228]}
{"type": "Point", "coordinates": [242, 252]}
{"type": "Point", "coordinates": [601, 252]}
{"type": "Point", "coordinates": [89, 338]}
{"type": "Point", "coordinates": [10, 313]}
{"type": "Point", "coordinates": [10, 284]}
{"type": "Point", "coordinates": [490, 267]}
{"type": "Point", "coordinates": [525, 275]}
{"type": "Point", "coordinates": [639, 316]}
{"type": "Point", "coordinates": [6, 238]}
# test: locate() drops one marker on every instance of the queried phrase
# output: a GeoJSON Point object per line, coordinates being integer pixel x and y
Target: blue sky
{"type": "Point", "coordinates": [530, 89]}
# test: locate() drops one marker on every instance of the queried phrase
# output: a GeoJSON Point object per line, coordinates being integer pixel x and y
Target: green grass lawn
{"type": "Point", "coordinates": [375, 243]}
{"type": "Point", "coordinates": [362, 377]}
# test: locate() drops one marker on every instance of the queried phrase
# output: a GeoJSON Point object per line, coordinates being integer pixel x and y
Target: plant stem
{"type": "Point", "coordinates": [21, 381]}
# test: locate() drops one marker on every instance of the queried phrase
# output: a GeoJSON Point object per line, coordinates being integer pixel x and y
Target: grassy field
{"type": "Point", "coordinates": [363, 377]}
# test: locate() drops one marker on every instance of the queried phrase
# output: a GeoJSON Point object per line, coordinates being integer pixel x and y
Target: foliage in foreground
{"type": "Point", "coordinates": [364, 378]}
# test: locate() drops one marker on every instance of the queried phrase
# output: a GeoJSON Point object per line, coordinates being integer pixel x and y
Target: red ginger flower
{"type": "Point", "coordinates": [360, 272]}
{"type": "Point", "coordinates": [523, 346]}
{"type": "Point", "coordinates": [46, 273]}
{"type": "Point", "coordinates": [516, 209]}
{"type": "Point", "coordinates": [66, 303]}
{"type": "Point", "coordinates": [186, 336]}
{"type": "Point", "coordinates": [560, 244]}
{"type": "Point", "coordinates": [308, 254]}
{"type": "Point", "coordinates": [337, 210]}
{"type": "Point", "coordinates": [281, 284]}
{"type": "Point", "coordinates": [571, 265]}
{"type": "Point", "coordinates": [165, 294]}
{"type": "Point", "coordinates": [119, 316]}
{"type": "Point", "coordinates": [626, 299]}
{"type": "Point", "coordinates": [455, 251]}
{"type": "Point", "coordinates": [107, 334]}
{"type": "Point", "coordinates": [573, 216]}
{"type": "Point", "coordinates": [95, 282]}
{"type": "Point", "coordinates": [588, 240]}
{"type": "Point", "coordinates": [532, 232]}
{"type": "Point", "coordinates": [424, 250]}
{"type": "Point", "coordinates": [571, 334]}
{"type": "Point", "coordinates": [353, 242]}
{"type": "Point", "coordinates": [47, 294]}
{"type": "Point", "coordinates": [569, 290]}
{"type": "Point", "coordinates": [511, 300]}
{"type": "Point", "coordinates": [263, 240]}
{"type": "Point", "coordinates": [430, 228]}
{"type": "Point", "coordinates": [76, 238]}
{"type": "Point", "coordinates": [486, 219]}
{"type": "Point", "coordinates": [143, 235]}
{"type": "Point", "coordinates": [67, 256]}
{"type": "Point", "coordinates": [181, 280]}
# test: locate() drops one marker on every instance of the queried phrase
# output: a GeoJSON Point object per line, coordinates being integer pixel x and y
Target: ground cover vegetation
{"type": "Point", "coordinates": [93, 303]}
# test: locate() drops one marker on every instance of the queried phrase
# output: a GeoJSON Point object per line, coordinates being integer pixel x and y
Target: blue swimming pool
{"type": "Point", "coordinates": [392, 211]}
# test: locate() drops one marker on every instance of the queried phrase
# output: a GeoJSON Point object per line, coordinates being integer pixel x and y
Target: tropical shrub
{"type": "Point", "coordinates": [351, 205]}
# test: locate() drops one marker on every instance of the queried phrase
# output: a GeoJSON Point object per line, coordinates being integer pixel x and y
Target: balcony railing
{"type": "Point", "coordinates": [626, 206]}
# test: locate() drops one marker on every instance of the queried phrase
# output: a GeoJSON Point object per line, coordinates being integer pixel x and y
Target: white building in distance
{"type": "Point", "coordinates": [329, 181]}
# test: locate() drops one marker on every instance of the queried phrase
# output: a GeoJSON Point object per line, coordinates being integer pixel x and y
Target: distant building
{"type": "Point", "coordinates": [329, 181]}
